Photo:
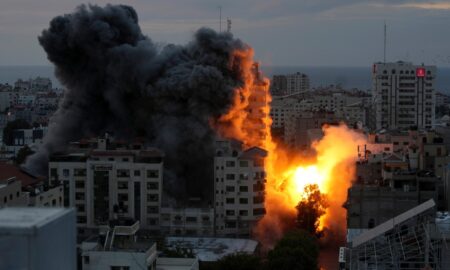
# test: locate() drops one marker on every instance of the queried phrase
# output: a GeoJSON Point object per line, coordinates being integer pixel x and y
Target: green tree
{"type": "Point", "coordinates": [297, 250]}
{"type": "Point", "coordinates": [9, 129]}
{"type": "Point", "coordinates": [310, 209]}
{"type": "Point", "coordinates": [239, 261]}
{"type": "Point", "coordinates": [22, 155]}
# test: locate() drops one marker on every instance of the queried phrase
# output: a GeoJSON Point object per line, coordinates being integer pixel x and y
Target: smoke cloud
{"type": "Point", "coordinates": [119, 81]}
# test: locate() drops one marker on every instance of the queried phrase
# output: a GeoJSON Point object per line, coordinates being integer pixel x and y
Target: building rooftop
{"type": "Point", "coordinates": [213, 249]}
{"type": "Point", "coordinates": [8, 171]}
{"type": "Point", "coordinates": [25, 220]}
{"type": "Point", "coordinates": [254, 152]}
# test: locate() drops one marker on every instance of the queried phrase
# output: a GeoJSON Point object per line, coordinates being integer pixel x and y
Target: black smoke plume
{"type": "Point", "coordinates": [118, 80]}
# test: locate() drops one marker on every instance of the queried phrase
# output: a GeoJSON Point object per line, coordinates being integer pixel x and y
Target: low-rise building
{"type": "Point", "coordinates": [187, 221]}
{"type": "Point", "coordinates": [104, 180]}
{"type": "Point", "coordinates": [37, 238]}
{"type": "Point", "coordinates": [117, 247]}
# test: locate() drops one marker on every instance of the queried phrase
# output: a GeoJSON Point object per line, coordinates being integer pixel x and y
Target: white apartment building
{"type": "Point", "coordinates": [30, 137]}
{"type": "Point", "coordinates": [26, 99]}
{"type": "Point", "coordinates": [296, 82]}
{"type": "Point", "coordinates": [442, 99]}
{"type": "Point", "coordinates": [104, 184]}
{"type": "Point", "coordinates": [289, 84]}
{"type": "Point", "coordinates": [239, 189]}
{"type": "Point", "coordinates": [280, 110]}
{"type": "Point", "coordinates": [8, 99]}
{"type": "Point", "coordinates": [403, 95]}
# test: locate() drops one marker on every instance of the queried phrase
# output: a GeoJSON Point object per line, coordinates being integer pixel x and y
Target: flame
{"type": "Point", "coordinates": [288, 172]}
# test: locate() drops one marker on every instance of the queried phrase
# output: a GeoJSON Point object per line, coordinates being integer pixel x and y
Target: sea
{"type": "Point", "coordinates": [347, 77]}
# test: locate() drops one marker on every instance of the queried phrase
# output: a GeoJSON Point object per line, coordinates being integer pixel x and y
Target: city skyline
{"type": "Point", "coordinates": [315, 33]}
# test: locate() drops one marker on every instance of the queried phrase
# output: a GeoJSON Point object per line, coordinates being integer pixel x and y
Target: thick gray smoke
{"type": "Point", "coordinates": [118, 80]}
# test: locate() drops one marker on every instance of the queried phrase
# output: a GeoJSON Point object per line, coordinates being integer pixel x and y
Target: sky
{"type": "Point", "coordinates": [282, 32]}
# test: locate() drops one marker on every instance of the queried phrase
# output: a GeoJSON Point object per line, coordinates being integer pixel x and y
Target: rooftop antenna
{"type": "Point", "coordinates": [220, 18]}
{"type": "Point", "coordinates": [228, 25]}
{"type": "Point", "coordinates": [384, 51]}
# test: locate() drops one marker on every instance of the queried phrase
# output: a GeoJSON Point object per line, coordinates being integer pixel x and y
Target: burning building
{"type": "Point", "coordinates": [181, 99]}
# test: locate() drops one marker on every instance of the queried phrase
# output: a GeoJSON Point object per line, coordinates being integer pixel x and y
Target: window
{"type": "Point", "coordinates": [243, 176]}
{"type": "Point", "coordinates": [191, 219]}
{"type": "Point", "coordinates": [152, 197]}
{"type": "Point", "coordinates": [229, 188]}
{"type": "Point", "coordinates": [122, 185]}
{"type": "Point", "coordinates": [152, 210]}
{"type": "Point", "coordinates": [120, 268]}
{"type": "Point", "coordinates": [243, 163]}
{"type": "Point", "coordinates": [125, 159]}
{"type": "Point", "coordinates": [152, 221]}
{"type": "Point", "coordinates": [243, 201]}
{"type": "Point", "coordinates": [230, 176]}
{"type": "Point", "coordinates": [152, 173]}
{"type": "Point", "coordinates": [79, 172]}
{"type": "Point", "coordinates": [259, 211]}
{"type": "Point", "coordinates": [123, 173]}
{"type": "Point", "coordinates": [153, 185]}
{"type": "Point", "coordinates": [66, 172]}
{"type": "Point", "coordinates": [79, 184]}
{"type": "Point", "coordinates": [80, 207]}
{"type": "Point", "coordinates": [243, 212]}
{"type": "Point", "coordinates": [53, 172]}
{"type": "Point", "coordinates": [137, 173]}
{"type": "Point", "coordinates": [81, 219]}
{"type": "Point", "coordinates": [122, 197]}
{"type": "Point", "coordinates": [243, 189]}
{"type": "Point", "coordinates": [230, 163]}
{"type": "Point", "coordinates": [79, 196]}
{"type": "Point", "coordinates": [229, 213]}
{"type": "Point", "coordinates": [230, 200]}
{"type": "Point", "coordinates": [258, 199]}
{"type": "Point", "coordinates": [86, 259]}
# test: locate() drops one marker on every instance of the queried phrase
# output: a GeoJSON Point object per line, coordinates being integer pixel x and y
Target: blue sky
{"type": "Point", "coordinates": [282, 32]}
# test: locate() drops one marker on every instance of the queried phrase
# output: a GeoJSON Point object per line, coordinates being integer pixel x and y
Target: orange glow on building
{"type": "Point", "coordinates": [332, 168]}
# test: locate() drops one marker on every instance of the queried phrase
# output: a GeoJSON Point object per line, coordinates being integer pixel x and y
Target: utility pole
{"type": "Point", "coordinates": [220, 19]}
{"type": "Point", "coordinates": [384, 51]}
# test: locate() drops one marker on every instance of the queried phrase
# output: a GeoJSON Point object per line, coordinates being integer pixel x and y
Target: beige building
{"type": "Point", "coordinates": [11, 193]}
{"type": "Point", "coordinates": [18, 188]}
{"type": "Point", "coordinates": [110, 181]}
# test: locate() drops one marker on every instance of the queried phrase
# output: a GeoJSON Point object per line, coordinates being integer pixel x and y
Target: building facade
{"type": "Point", "coordinates": [403, 95]}
{"type": "Point", "coordinates": [106, 183]}
{"type": "Point", "coordinates": [239, 189]}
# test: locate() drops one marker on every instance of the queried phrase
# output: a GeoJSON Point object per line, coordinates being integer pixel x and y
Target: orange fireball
{"type": "Point", "coordinates": [332, 170]}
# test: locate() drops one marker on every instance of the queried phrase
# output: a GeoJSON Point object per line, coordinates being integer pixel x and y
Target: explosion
{"type": "Point", "coordinates": [179, 97]}
{"type": "Point", "coordinates": [289, 173]}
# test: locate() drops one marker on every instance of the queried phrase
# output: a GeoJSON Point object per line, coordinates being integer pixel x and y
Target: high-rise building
{"type": "Point", "coordinates": [296, 82]}
{"type": "Point", "coordinates": [239, 189]}
{"type": "Point", "coordinates": [289, 84]}
{"type": "Point", "coordinates": [403, 95]}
